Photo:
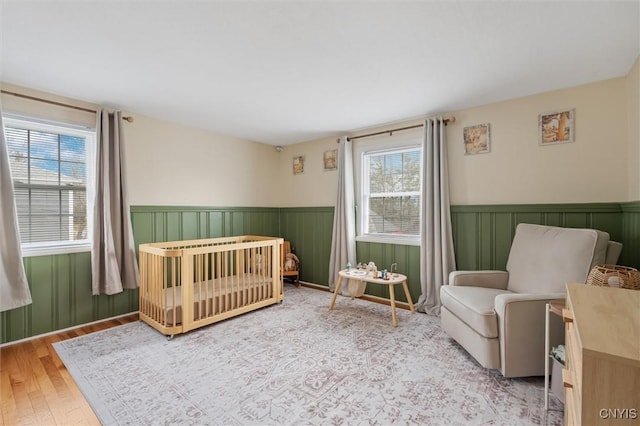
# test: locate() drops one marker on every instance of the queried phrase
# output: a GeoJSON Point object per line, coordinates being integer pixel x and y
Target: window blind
{"type": "Point", "coordinates": [49, 173]}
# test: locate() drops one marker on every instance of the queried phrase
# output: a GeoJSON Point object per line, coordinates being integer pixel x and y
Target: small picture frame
{"type": "Point", "coordinates": [330, 160]}
{"type": "Point", "coordinates": [298, 164]}
{"type": "Point", "coordinates": [556, 127]}
{"type": "Point", "coordinates": [477, 139]}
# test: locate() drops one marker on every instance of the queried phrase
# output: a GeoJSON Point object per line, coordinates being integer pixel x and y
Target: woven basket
{"type": "Point", "coordinates": [614, 276]}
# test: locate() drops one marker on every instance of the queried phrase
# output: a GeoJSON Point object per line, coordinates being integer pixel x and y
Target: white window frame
{"type": "Point", "coordinates": [61, 247]}
{"type": "Point", "coordinates": [409, 140]}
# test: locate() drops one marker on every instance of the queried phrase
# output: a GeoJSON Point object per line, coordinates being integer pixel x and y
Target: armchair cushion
{"type": "Point", "coordinates": [613, 252]}
{"type": "Point", "coordinates": [474, 306]}
{"type": "Point", "coordinates": [544, 258]}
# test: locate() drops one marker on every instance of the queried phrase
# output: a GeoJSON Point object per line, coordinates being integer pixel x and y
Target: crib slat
{"type": "Point", "coordinates": [220, 283]}
{"type": "Point", "coordinates": [209, 280]}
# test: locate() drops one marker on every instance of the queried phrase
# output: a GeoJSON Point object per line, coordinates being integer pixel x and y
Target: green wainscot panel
{"type": "Point", "coordinates": [483, 234]}
{"type": "Point", "coordinates": [309, 229]}
{"type": "Point", "coordinates": [177, 223]}
{"type": "Point", "coordinates": [631, 235]}
{"type": "Point", "coordinates": [62, 297]}
{"type": "Point", "coordinates": [83, 298]}
{"type": "Point", "coordinates": [407, 258]}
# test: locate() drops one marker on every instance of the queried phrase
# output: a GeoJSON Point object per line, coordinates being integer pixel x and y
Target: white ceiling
{"type": "Point", "coordinates": [285, 72]}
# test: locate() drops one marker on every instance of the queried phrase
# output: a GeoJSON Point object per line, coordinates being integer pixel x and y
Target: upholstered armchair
{"type": "Point", "coordinates": [499, 316]}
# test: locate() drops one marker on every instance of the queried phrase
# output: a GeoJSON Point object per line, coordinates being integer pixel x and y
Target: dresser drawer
{"type": "Point", "coordinates": [569, 408]}
{"type": "Point", "coordinates": [572, 373]}
{"type": "Point", "coordinates": [573, 357]}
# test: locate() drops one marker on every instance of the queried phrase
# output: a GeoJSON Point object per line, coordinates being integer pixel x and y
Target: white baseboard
{"type": "Point", "coordinates": [62, 330]}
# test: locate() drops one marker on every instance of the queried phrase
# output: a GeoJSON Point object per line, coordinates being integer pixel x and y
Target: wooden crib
{"type": "Point", "coordinates": [189, 284]}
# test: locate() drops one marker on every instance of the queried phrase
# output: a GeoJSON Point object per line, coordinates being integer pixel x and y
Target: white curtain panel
{"type": "Point", "coordinates": [113, 256]}
{"type": "Point", "coordinates": [14, 288]}
{"type": "Point", "coordinates": [343, 242]}
{"type": "Point", "coordinates": [437, 257]}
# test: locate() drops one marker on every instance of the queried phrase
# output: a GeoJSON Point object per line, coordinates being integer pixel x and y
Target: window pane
{"type": "Point", "coordinates": [78, 206]}
{"type": "Point", "coordinates": [72, 148]}
{"type": "Point", "coordinates": [48, 228]}
{"type": "Point", "coordinates": [21, 196]}
{"type": "Point", "coordinates": [411, 215]}
{"type": "Point", "coordinates": [394, 215]}
{"type": "Point", "coordinates": [376, 215]}
{"type": "Point", "coordinates": [45, 202]}
{"type": "Point", "coordinates": [17, 142]}
{"type": "Point", "coordinates": [19, 169]}
{"type": "Point", "coordinates": [394, 172]}
{"type": "Point", "coordinates": [411, 171]}
{"type": "Point", "coordinates": [49, 172]}
{"type": "Point", "coordinates": [376, 174]}
{"type": "Point", "coordinates": [44, 172]}
{"type": "Point", "coordinates": [43, 145]}
{"type": "Point", "coordinates": [73, 173]}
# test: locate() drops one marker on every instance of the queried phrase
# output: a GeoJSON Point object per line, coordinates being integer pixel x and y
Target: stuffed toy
{"type": "Point", "coordinates": [291, 262]}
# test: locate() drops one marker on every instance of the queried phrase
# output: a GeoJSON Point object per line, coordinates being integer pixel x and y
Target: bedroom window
{"type": "Point", "coordinates": [50, 168]}
{"type": "Point", "coordinates": [390, 195]}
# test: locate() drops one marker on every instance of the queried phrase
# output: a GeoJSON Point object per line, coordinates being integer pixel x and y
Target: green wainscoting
{"type": "Point", "coordinates": [482, 237]}
{"type": "Point", "coordinates": [62, 297]}
{"type": "Point", "coordinates": [482, 234]}
{"type": "Point", "coordinates": [630, 234]}
{"type": "Point", "coordinates": [61, 284]}
{"type": "Point", "coordinates": [309, 229]}
{"type": "Point", "coordinates": [408, 260]}
{"type": "Point", "coordinates": [171, 223]}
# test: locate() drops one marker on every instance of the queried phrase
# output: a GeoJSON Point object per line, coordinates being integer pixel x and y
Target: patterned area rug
{"type": "Point", "coordinates": [298, 363]}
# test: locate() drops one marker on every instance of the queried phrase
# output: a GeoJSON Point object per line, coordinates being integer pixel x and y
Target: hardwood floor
{"type": "Point", "coordinates": [35, 386]}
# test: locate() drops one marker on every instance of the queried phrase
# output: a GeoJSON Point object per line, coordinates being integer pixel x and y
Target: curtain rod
{"type": "Point", "coordinates": [47, 101]}
{"type": "Point", "coordinates": [390, 131]}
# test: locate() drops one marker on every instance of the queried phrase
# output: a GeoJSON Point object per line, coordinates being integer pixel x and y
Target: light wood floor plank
{"type": "Point", "coordinates": [8, 409]}
{"type": "Point", "coordinates": [35, 386]}
{"type": "Point", "coordinates": [42, 413]}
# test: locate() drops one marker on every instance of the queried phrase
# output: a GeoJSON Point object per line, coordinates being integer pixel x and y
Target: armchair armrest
{"type": "Point", "coordinates": [488, 279]}
{"type": "Point", "coordinates": [503, 300]}
{"type": "Point", "coordinates": [521, 327]}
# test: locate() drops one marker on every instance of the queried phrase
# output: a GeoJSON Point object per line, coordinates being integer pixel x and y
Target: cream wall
{"type": "Point", "coordinates": [170, 164]}
{"type": "Point", "coordinates": [517, 170]}
{"type": "Point", "coordinates": [313, 187]}
{"type": "Point", "coordinates": [633, 114]}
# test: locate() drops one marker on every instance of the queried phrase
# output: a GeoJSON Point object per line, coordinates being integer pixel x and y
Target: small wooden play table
{"type": "Point", "coordinates": [393, 280]}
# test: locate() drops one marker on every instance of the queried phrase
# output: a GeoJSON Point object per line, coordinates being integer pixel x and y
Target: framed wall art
{"type": "Point", "coordinates": [330, 160]}
{"type": "Point", "coordinates": [477, 139]}
{"type": "Point", "coordinates": [556, 127]}
{"type": "Point", "coordinates": [298, 165]}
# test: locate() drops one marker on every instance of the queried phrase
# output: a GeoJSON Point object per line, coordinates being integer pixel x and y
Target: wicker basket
{"type": "Point", "coordinates": [614, 276]}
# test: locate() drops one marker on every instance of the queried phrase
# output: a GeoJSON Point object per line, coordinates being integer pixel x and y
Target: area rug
{"type": "Point", "coordinates": [298, 363]}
